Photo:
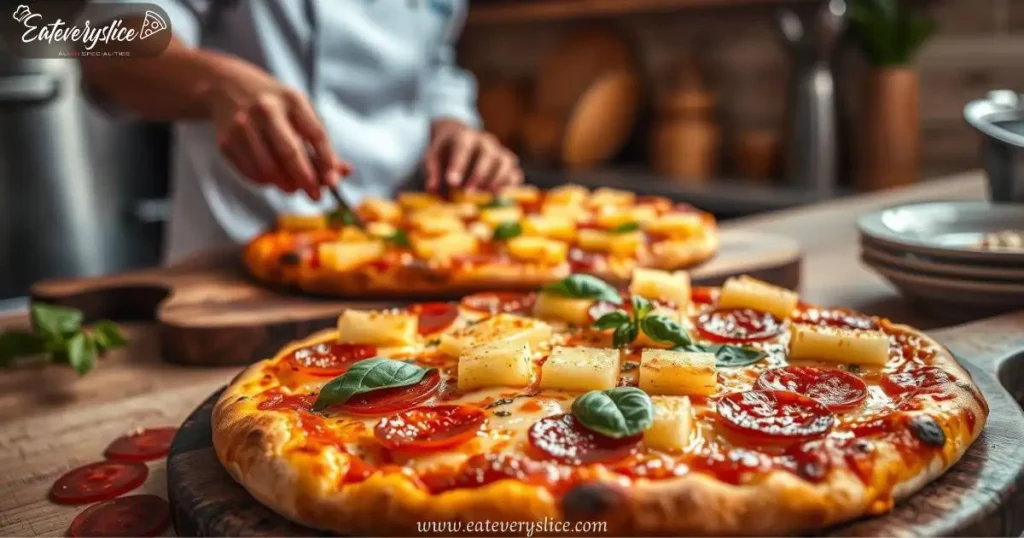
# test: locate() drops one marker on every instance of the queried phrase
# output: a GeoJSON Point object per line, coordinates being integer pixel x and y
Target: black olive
{"type": "Point", "coordinates": [590, 501]}
{"type": "Point", "coordinates": [290, 258]}
{"type": "Point", "coordinates": [928, 431]}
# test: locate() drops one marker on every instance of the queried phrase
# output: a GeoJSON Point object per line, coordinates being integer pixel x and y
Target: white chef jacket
{"type": "Point", "coordinates": [377, 72]}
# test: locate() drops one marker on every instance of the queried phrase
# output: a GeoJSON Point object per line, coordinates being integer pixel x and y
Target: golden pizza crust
{"type": "Point", "coordinates": [307, 487]}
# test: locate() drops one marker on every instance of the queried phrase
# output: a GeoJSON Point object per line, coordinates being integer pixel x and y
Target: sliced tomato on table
{"type": "Point", "coordinates": [434, 317]}
{"type": "Point", "coordinates": [498, 302]}
{"type": "Point", "coordinates": [391, 400]}
{"type": "Point", "coordinates": [144, 445]}
{"type": "Point", "coordinates": [135, 515]}
{"type": "Point", "coordinates": [837, 389]}
{"type": "Point", "coordinates": [564, 439]}
{"type": "Point", "coordinates": [924, 378]}
{"type": "Point", "coordinates": [430, 428]}
{"type": "Point", "coordinates": [98, 482]}
{"type": "Point", "coordinates": [774, 416]}
{"type": "Point", "coordinates": [328, 359]}
{"type": "Point", "coordinates": [738, 325]}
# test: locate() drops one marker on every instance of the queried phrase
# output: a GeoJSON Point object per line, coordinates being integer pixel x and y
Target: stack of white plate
{"type": "Point", "coordinates": [937, 252]}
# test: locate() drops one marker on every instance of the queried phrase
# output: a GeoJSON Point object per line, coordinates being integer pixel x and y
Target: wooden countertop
{"type": "Point", "coordinates": [53, 420]}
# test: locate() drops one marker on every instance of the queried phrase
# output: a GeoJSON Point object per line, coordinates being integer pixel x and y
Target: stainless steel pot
{"type": "Point", "coordinates": [999, 117]}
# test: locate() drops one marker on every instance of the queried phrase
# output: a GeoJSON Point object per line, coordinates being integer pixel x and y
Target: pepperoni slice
{"type": "Point", "coordinates": [703, 295]}
{"type": "Point", "coordinates": [385, 401]}
{"type": "Point", "coordinates": [840, 318]}
{"type": "Point", "coordinates": [328, 359]}
{"type": "Point", "coordinates": [434, 317]}
{"type": "Point", "coordinates": [135, 515]}
{"type": "Point", "coordinates": [837, 389]}
{"type": "Point", "coordinates": [738, 325]}
{"type": "Point", "coordinates": [98, 482]}
{"type": "Point", "coordinates": [145, 445]}
{"type": "Point", "coordinates": [496, 302]}
{"type": "Point", "coordinates": [926, 377]}
{"type": "Point", "coordinates": [581, 261]}
{"type": "Point", "coordinates": [774, 416]}
{"type": "Point", "coordinates": [430, 428]}
{"type": "Point", "coordinates": [564, 439]}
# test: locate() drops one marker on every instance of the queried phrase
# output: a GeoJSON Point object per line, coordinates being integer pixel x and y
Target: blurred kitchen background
{"type": "Point", "coordinates": [737, 106]}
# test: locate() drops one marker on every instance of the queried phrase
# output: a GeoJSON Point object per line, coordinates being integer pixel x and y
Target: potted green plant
{"type": "Point", "coordinates": [889, 33]}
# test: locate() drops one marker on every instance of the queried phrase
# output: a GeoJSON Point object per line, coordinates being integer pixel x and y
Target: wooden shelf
{"type": "Point", "coordinates": [515, 11]}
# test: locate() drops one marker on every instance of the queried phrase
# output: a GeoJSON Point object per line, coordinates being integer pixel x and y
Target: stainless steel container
{"type": "Point", "coordinates": [999, 117]}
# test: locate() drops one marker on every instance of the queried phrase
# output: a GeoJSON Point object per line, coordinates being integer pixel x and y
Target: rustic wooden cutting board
{"type": "Point", "coordinates": [980, 496]}
{"type": "Point", "coordinates": [210, 313]}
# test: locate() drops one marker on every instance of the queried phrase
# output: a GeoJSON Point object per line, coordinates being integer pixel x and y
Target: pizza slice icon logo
{"type": "Point", "coordinates": [151, 25]}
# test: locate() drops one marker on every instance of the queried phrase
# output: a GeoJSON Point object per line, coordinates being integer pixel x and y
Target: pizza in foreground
{"type": "Point", "coordinates": [422, 245]}
{"type": "Point", "coordinates": [661, 409]}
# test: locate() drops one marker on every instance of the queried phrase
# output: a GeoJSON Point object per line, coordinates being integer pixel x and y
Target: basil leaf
{"type": "Point", "coordinates": [641, 307]}
{"type": "Point", "coordinates": [611, 320]}
{"type": "Point", "coordinates": [81, 353]}
{"type": "Point", "coordinates": [584, 287]}
{"type": "Point", "coordinates": [734, 356]}
{"type": "Point", "coordinates": [399, 238]}
{"type": "Point", "coordinates": [14, 345]}
{"type": "Point", "coordinates": [664, 330]}
{"type": "Point", "coordinates": [619, 412]}
{"type": "Point", "coordinates": [507, 230]}
{"type": "Point", "coordinates": [367, 376]}
{"type": "Point", "coordinates": [624, 335]}
{"type": "Point", "coordinates": [56, 322]}
{"type": "Point", "coordinates": [498, 202]}
{"type": "Point", "coordinates": [342, 217]}
{"type": "Point", "coordinates": [107, 335]}
{"type": "Point", "coordinates": [625, 228]}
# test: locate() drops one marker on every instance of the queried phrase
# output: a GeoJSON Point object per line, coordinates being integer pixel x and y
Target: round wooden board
{"type": "Point", "coordinates": [979, 496]}
{"type": "Point", "coordinates": [210, 313]}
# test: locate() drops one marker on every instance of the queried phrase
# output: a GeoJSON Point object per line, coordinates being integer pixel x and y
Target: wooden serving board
{"type": "Point", "coordinates": [211, 313]}
{"type": "Point", "coordinates": [980, 496]}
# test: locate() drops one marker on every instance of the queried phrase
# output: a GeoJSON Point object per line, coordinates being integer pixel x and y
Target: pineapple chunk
{"type": "Point", "coordinates": [436, 223]}
{"type": "Point", "coordinates": [577, 213]}
{"type": "Point", "coordinates": [376, 209]}
{"type": "Point", "coordinates": [672, 423]}
{"type": "Point", "coordinates": [445, 246]}
{"type": "Point", "coordinates": [301, 223]}
{"type": "Point", "coordinates": [611, 217]}
{"type": "Point", "coordinates": [559, 227]}
{"type": "Point", "coordinates": [604, 196]}
{"type": "Point", "coordinates": [676, 225]}
{"type": "Point", "coordinates": [594, 240]}
{"type": "Point", "coordinates": [341, 256]}
{"type": "Point", "coordinates": [555, 307]}
{"type": "Point", "coordinates": [495, 364]}
{"type": "Point", "coordinates": [474, 197]}
{"type": "Point", "coordinates": [378, 328]}
{"type": "Point", "coordinates": [662, 285]}
{"type": "Point", "coordinates": [480, 231]}
{"type": "Point", "coordinates": [417, 200]}
{"type": "Point", "coordinates": [352, 234]}
{"type": "Point", "coordinates": [811, 342]}
{"type": "Point", "coordinates": [580, 369]}
{"type": "Point", "coordinates": [747, 292]}
{"type": "Point", "coordinates": [568, 195]}
{"type": "Point", "coordinates": [497, 215]}
{"type": "Point", "coordinates": [522, 194]}
{"type": "Point", "coordinates": [627, 244]}
{"type": "Point", "coordinates": [381, 229]}
{"type": "Point", "coordinates": [677, 373]}
{"type": "Point", "coordinates": [538, 249]}
{"type": "Point", "coordinates": [503, 327]}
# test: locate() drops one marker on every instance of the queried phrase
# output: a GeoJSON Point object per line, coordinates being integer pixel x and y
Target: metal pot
{"type": "Point", "coordinates": [999, 117]}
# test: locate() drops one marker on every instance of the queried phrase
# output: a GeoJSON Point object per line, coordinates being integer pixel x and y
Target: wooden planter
{"type": "Point", "coordinates": [890, 141]}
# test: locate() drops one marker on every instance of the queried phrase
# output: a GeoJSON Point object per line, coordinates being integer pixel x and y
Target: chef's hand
{"type": "Point", "coordinates": [267, 130]}
{"type": "Point", "coordinates": [462, 157]}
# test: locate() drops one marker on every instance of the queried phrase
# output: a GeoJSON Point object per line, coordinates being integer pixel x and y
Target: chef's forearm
{"type": "Point", "coordinates": [171, 86]}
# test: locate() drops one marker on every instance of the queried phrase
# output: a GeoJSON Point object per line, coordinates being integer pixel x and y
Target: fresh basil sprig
{"type": "Point", "coordinates": [733, 356]}
{"type": "Point", "coordinates": [399, 238]}
{"type": "Point", "coordinates": [58, 336]}
{"type": "Point", "coordinates": [625, 228]}
{"type": "Point", "coordinates": [619, 412]}
{"type": "Point", "coordinates": [498, 202]}
{"type": "Point", "coordinates": [342, 217]}
{"type": "Point", "coordinates": [581, 286]}
{"type": "Point", "coordinates": [507, 230]}
{"type": "Point", "coordinates": [367, 376]}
